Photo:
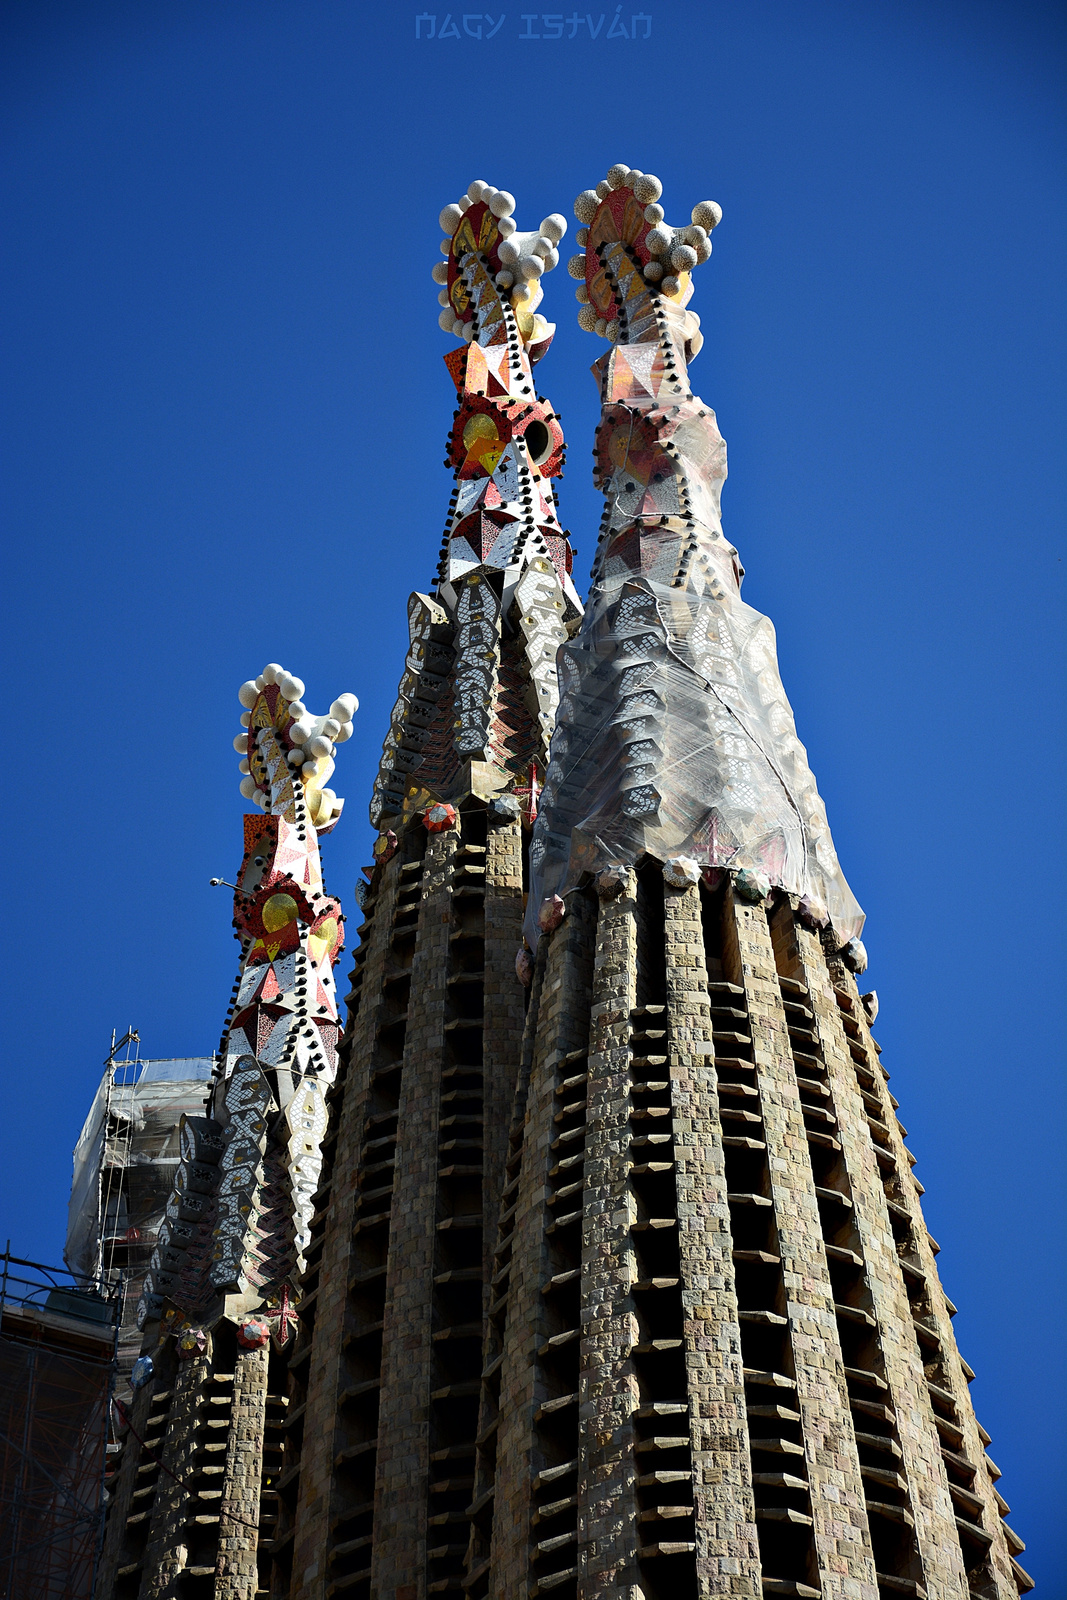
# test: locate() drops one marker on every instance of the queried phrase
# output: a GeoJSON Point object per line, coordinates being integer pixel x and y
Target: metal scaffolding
{"type": "Point", "coordinates": [58, 1360]}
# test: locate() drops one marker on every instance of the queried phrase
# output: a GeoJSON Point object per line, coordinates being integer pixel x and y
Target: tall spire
{"type": "Point", "coordinates": [222, 1282]}
{"type": "Point", "coordinates": [399, 1265]}
{"type": "Point", "coordinates": [477, 704]}
{"type": "Point", "coordinates": [674, 736]}
{"type": "Point", "coordinates": [719, 1360]}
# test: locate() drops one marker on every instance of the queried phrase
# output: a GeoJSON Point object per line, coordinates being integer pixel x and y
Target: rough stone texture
{"type": "Point", "coordinates": [727, 1553]}
{"type": "Point", "coordinates": [842, 1538]}
{"type": "Point", "coordinates": [928, 1497]}
{"type": "Point", "coordinates": [608, 1390]}
{"type": "Point", "coordinates": [399, 1564]}
{"type": "Point", "coordinates": [121, 1542]}
{"type": "Point", "coordinates": [504, 1010]}
{"type": "Point", "coordinates": [948, 1421]}
{"type": "Point", "coordinates": [167, 1551]}
{"type": "Point", "coordinates": [562, 1026]}
{"type": "Point", "coordinates": [315, 1507]}
{"type": "Point", "coordinates": [236, 1575]}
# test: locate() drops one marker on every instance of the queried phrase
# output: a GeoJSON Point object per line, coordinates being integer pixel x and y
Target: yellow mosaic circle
{"type": "Point", "coordinates": [279, 910]}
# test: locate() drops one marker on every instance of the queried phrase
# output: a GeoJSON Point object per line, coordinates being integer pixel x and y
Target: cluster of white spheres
{"type": "Point", "coordinates": [314, 739]}
{"type": "Point", "coordinates": [524, 257]}
{"type": "Point", "coordinates": [673, 250]}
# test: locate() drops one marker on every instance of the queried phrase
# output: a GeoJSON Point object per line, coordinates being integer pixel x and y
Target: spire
{"type": "Point", "coordinates": [674, 736]}
{"type": "Point", "coordinates": [242, 1230]}
{"type": "Point", "coordinates": [480, 686]}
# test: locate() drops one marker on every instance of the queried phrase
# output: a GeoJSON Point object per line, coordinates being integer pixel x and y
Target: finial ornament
{"type": "Point", "coordinates": [489, 263]}
{"type": "Point", "coordinates": [630, 256]}
{"type": "Point", "coordinates": [285, 744]}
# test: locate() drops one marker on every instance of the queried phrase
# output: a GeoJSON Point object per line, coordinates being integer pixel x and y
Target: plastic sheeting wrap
{"type": "Point", "coordinates": [126, 1155]}
{"type": "Point", "coordinates": [674, 735]}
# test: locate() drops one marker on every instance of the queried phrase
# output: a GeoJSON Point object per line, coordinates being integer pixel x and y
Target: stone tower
{"type": "Point", "coordinates": [379, 1462]}
{"type": "Point", "coordinates": [194, 1502]}
{"type": "Point", "coordinates": [614, 1283]}
{"type": "Point", "coordinates": [719, 1359]}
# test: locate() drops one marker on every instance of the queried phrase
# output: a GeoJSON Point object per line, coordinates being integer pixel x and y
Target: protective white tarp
{"type": "Point", "coordinates": [136, 1127]}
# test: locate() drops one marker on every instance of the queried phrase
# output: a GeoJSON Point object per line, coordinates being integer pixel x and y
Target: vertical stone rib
{"type": "Point", "coordinates": [942, 1409]}
{"type": "Point", "coordinates": [167, 1550]}
{"type": "Point", "coordinates": [928, 1498]}
{"type": "Point", "coordinates": [399, 1562]}
{"type": "Point", "coordinates": [504, 1013]}
{"type": "Point", "coordinates": [608, 1393]}
{"type": "Point", "coordinates": [236, 1575]}
{"type": "Point", "coordinates": [727, 1552]}
{"type": "Point", "coordinates": [316, 1505]}
{"type": "Point", "coordinates": [562, 1026]}
{"type": "Point", "coordinates": [842, 1538]}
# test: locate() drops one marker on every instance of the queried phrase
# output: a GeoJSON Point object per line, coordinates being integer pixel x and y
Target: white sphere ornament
{"type": "Point", "coordinates": [297, 709]}
{"type": "Point", "coordinates": [603, 189]}
{"type": "Point", "coordinates": [654, 214]}
{"type": "Point", "coordinates": [506, 227]}
{"type": "Point", "coordinates": [240, 744]}
{"type": "Point", "coordinates": [707, 214]}
{"type": "Point", "coordinates": [504, 280]}
{"type": "Point", "coordinates": [344, 732]}
{"type": "Point", "coordinates": [330, 727]}
{"type": "Point", "coordinates": [439, 272]}
{"type": "Point", "coordinates": [318, 745]}
{"type": "Point", "coordinates": [502, 204]}
{"type": "Point", "coordinates": [450, 219]}
{"type": "Point", "coordinates": [659, 240]}
{"type": "Point", "coordinates": [344, 707]}
{"type": "Point", "coordinates": [309, 769]}
{"type": "Point", "coordinates": [585, 206]}
{"type": "Point", "coordinates": [260, 682]}
{"type": "Point", "coordinates": [576, 266]}
{"type": "Point", "coordinates": [271, 672]}
{"type": "Point", "coordinates": [587, 319]}
{"type": "Point", "coordinates": [248, 787]}
{"type": "Point", "coordinates": [295, 757]}
{"type": "Point", "coordinates": [653, 271]}
{"type": "Point", "coordinates": [246, 717]}
{"type": "Point", "coordinates": [242, 766]}
{"type": "Point", "coordinates": [618, 174]}
{"type": "Point", "coordinates": [670, 285]}
{"type": "Point", "coordinates": [477, 191]}
{"type": "Point", "coordinates": [248, 693]}
{"type": "Point", "coordinates": [259, 797]}
{"type": "Point", "coordinates": [554, 227]}
{"type": "Point", "coordinates": [647, 189]}
{"type": "Point", "coordinates": [683, 258]}
{"type": "Point", "coordinates": [581, 294]}
{"type": "Point", "coordinates": [445, 321]}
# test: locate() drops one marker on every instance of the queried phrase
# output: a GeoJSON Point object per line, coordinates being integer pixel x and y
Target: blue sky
{"type": "Point", "coordinates": [225, 415]}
